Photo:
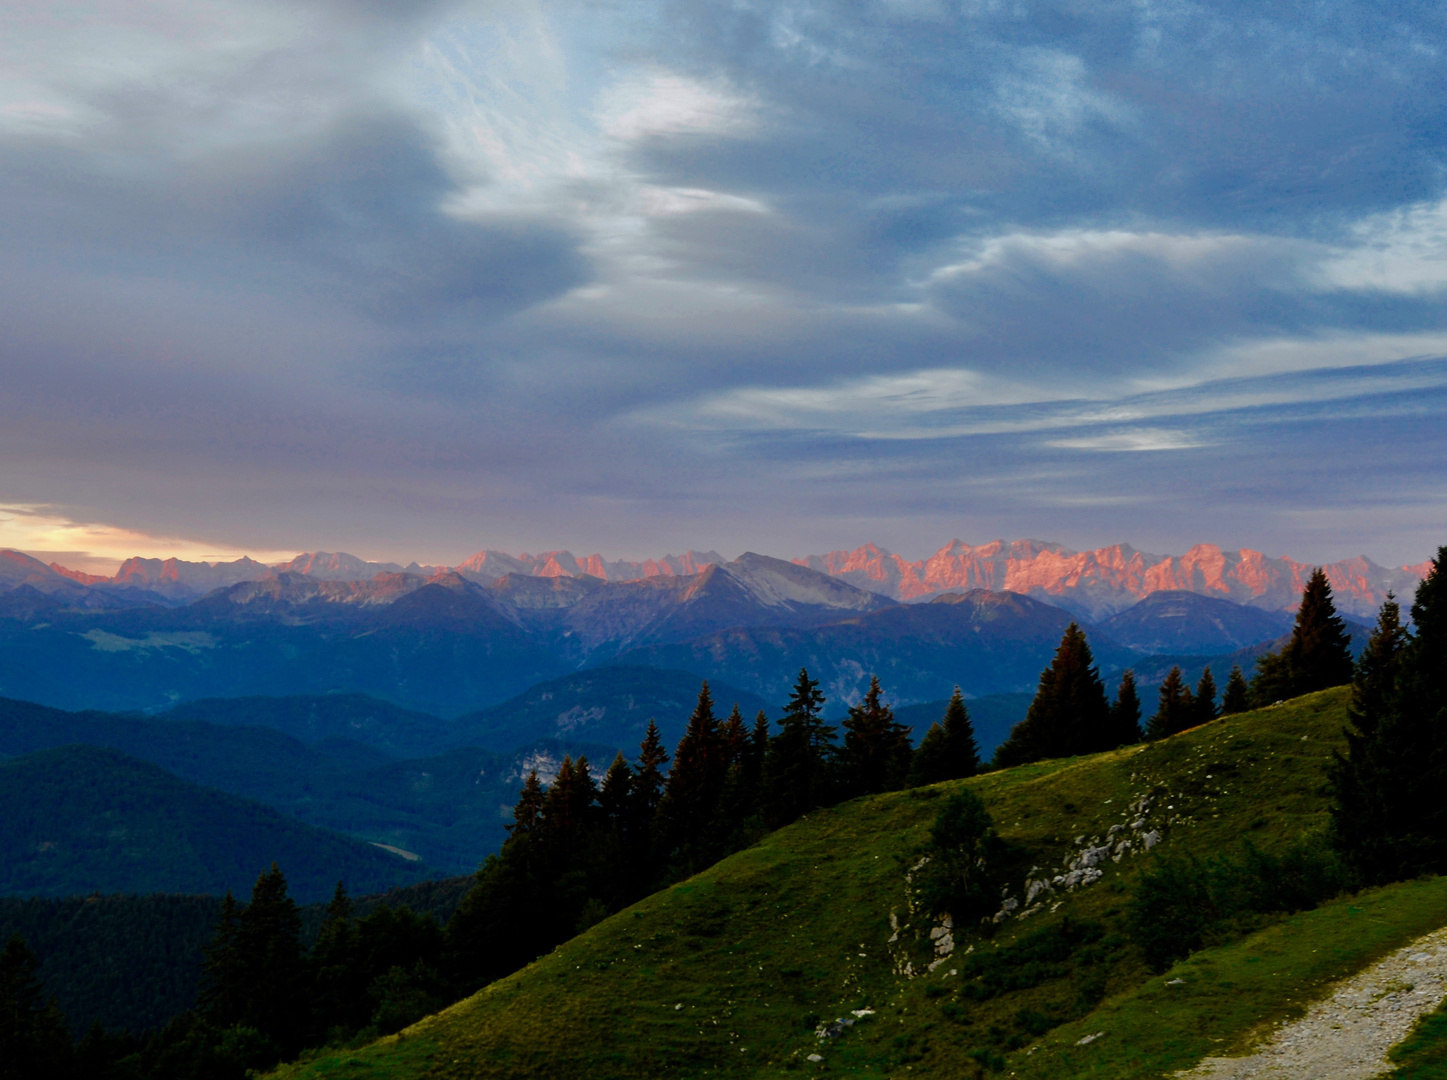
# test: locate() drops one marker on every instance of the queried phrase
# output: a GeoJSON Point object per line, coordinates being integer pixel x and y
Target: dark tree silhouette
{"type": "Point", "coordinates": [1069, 715]}
{"type": "Point", "coordinates": [1318, 655]}
{"type": "Point", "coordinates": [1388, 816]}
{"type": "Point", "coordinates": [1177, 708]}
{"type": "Point", "coordinates": [796, 766]}
{"type": "Point", "coordinates": [876, 754]}
{"type": "Point", "coordinates": [948, 750]}
{"type": "Point", "coordinates": [1237, 698]}
{"type": "Point", "coordinates": [1206, 698]}
{"type": "Point", "coordinates": [1125, 712]}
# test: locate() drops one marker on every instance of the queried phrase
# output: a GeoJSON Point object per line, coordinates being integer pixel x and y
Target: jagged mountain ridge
{"type": "Point", "coordinates": [1094, 584]}
{"type": "Point", "coordinates": [1102, 582]}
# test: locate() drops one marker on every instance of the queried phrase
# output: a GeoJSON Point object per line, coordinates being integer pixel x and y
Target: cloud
{"type": "Point", "coordinates": [428, 277]}
{"type": "Point", "coordinates": [99, 548]}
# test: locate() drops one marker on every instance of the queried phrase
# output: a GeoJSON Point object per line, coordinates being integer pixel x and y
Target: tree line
{"type": "Point", "coordinates": [1071, 713]}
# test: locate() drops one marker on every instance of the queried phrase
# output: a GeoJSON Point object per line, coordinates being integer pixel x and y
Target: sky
{"type": "Point", "coordinates": [412, 280]}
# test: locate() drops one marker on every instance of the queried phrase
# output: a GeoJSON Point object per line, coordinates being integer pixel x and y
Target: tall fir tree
{"type": "Point", "coordinates": [948, 750]}
{"type": "Point", "coordinates": [1206, 698]}
{"type": "Point", "coordinates": [649, 778]}
{"type": "Point", "coordinates": [527, 814]}
{"type": "Point", "coordinates": [221, 993]}
{"type": "Point", "coordinates": [733, 736]}
{"type": "Point", "coordinates": [268, 947]}
{"type": "Point", "coordinates": [1069, 714]}
{"type": "Point", "coordinates": [686, 814]}
{"type": "Point", "coordinates": [1321, 654]}
{"type": "Point", "coordinates": [1317, 656]}
{"type": "Point", "coordinates": [1176, 710]}
{"type": "Point", "coordinates": [1125, 712]}
{"type": "Point", "coordinates": [1237, 698]}
{"type": "Point", "coordinates": [876, 753]}
{"type": "Point", "coordinates": [615, 794]}
{"type": "Point", "coordinates": [34, 1040]}
{"type": "Point", "coordinates": [338, 998]}
{"type": "Point", "coordinates": [1388, 817]}
{"type": "Point", "coordinates": [796, 766]}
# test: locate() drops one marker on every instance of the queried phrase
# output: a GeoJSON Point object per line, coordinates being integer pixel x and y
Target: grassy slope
{"type": "Point", "coordinates": [729, 972]}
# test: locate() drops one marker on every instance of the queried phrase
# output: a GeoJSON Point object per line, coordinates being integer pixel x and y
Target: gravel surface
{"type": "Point", "coordinates": [1346, 1036]}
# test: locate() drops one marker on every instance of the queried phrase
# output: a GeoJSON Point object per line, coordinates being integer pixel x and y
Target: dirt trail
{"type": "Point", "coordinates": [1346, 1036]}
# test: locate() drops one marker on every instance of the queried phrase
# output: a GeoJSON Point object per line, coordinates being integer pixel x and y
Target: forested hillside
{"type": "Point", "coordinates": [81, 819]}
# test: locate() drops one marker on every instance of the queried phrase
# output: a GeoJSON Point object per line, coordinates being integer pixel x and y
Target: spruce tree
{"type": "Point", "coordinates": [339, 997]}
{"type": "Point", "coordinates": [34, 1040]}
{"type": "Point", "coordinates": [1388, 817]}
{"type": "Point", "coordinates": [691, 795]}
{"type": "Point", "coordinates": [527, 814]}
{"type": "Point", "coordinates": [615, 795]}
{"type": "Point", "coordinates": [1125, 712]}
{"type": "Point", "coordinates": [648, 775]}
{"type": "Point", "coordinates": [221, 993]}
{"type": "Point", "coordinates": [268, 945]}
{"type": "Point", "coordinates": [796, 765]}
{"type": "Point", "coordinates": [1237, 697]}
{"type": "Point", "coordinates": [1317, 656]}
{"type": "Point", "coordinates": [1177, 708]}
{"type": "Point", "coordinates": [753, 760]}
{"type": "Point", "coordinates": [1206, 699]}
{"type": "Point", "coordinates": [733, 735]}
{"type": "Point", "coordinates": [876, 754]}
{"type": "Point", "coordinates": [1069, 715]}
{"type": "Point", "coordinates": [648, 783]}
{"type": "Point", "coordinates": [1321, 654]}
{"type": "Point", "coordinates": [948, 750]}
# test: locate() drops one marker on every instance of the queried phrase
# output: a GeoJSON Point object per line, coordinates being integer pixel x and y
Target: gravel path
{"type": "Point", "coordinates": [1346, 1036]}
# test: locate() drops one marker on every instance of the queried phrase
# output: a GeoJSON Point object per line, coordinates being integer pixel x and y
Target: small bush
{"type": "Point", "coordinates": [1184, 903]}
{"type": "Point", "coordinates": [965, 854]}
{"type": "Point", "coordinates": [1035, 959]}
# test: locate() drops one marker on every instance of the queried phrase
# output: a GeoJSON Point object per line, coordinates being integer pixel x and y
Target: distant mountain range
{"type": "Point", "coordinates": [1094, 584]}
{"type": "Point", "coordinates": [452, 642]}
{"type": "Point", "coordinates": [1108, 580]}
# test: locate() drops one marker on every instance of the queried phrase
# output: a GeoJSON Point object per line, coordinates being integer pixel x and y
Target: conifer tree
{"type": "Point", "coordinates": [527, 814]}
{"type": "Point", "coordinates": [1388, 817]}
{"type": "Point", "coordinates": [876, 754]}
{"type": "Point", "coordinates": [930, 764]}
{"type": "Point", "coordinates": [1317, 656]}
{"type": "Point", "coordinates": [568, 806]}
{"type": "Point", "coordinates": [948, 750]}
{"type": "Point", "coordinates": [268, 948]}
{"type": "Point", "coordinates": [796, 765]}
{"type": "Point", "coordinates": [691, 794]}
{"type": "Point", "coordinates": [1069, 715]}
{"type": "Point", "coordinates": [34, 1040]}
{"type": "Point", "coordinates": [733, 736]}
{"type": "Point", "coordinates": [1321, 654]}
{"type": "Point", "coordinates": [615, 795]}
{"type": "Point", "coordinates": [221, 976]}
{"type": "Point", "coordinates": [1205, 699]}
{"type": "Point", "coordinates": [648, 775]}
{"type": "Point", "coordinates": [753, 760]}
{"type": "Point", "coordinates": [1125, 712]}
{"type": "Point", "coordinates": [339, 995]}
{"type": "Point", "coordinates": [1236, 699]}
{"type": "Point", "coordinates": [1177, 709]}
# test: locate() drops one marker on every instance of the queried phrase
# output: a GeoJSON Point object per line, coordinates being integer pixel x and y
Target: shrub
{"type": "Point", "coordinates": [1183, 903]}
